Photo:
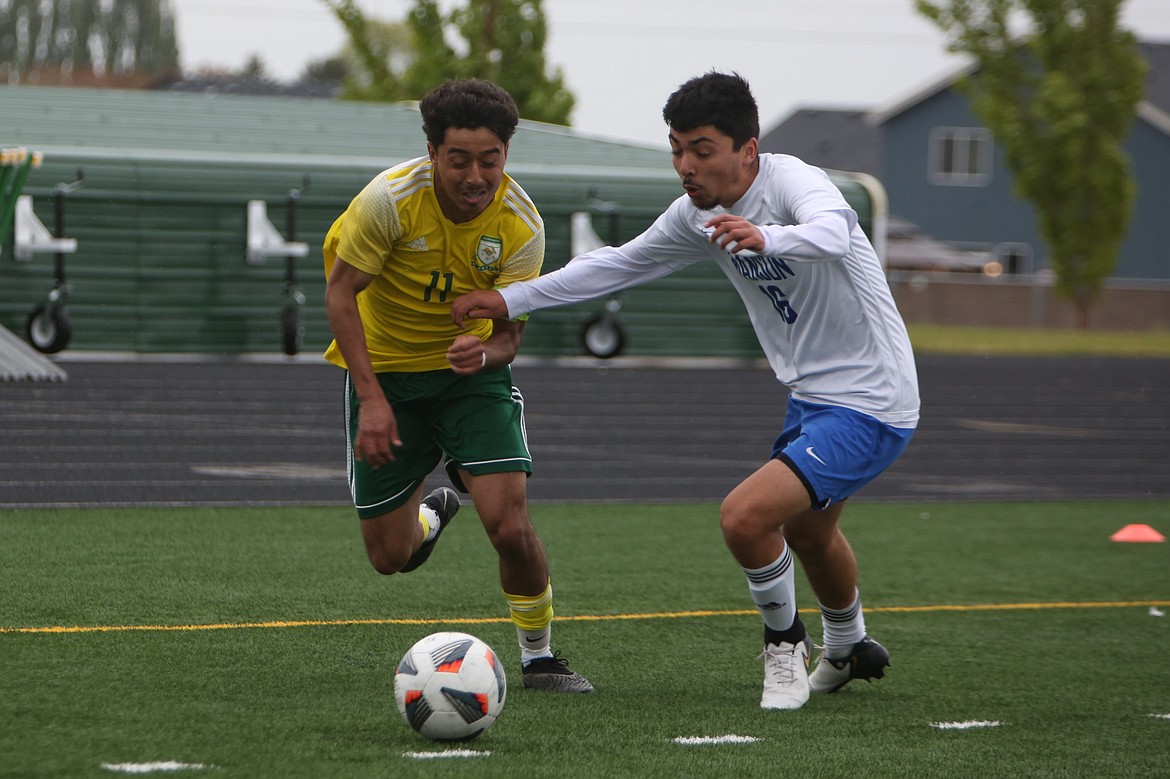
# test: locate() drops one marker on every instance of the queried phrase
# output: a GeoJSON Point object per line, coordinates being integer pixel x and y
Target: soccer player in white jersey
{"type": "Point", "coordinates": [822, 310]}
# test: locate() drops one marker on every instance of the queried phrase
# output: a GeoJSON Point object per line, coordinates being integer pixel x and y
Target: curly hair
{"type": "Point", "coordinates": [469, 104]}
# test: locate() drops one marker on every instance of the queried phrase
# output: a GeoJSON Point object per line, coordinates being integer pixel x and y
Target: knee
{"type": "Point", "coordinates": [512, 534]}
{"type": "Point", "coordinates": [386, 561]}
{"type": "Point", "coordinates": [506, 521]}
{"type": "Point", "coordinates": [736, 522]}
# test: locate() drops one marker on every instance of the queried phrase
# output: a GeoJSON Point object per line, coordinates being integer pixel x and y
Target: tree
{"type": "Point", "coordinates": [335, 68]}
{"type": "Point", "coordinates": [505, 42]}
{"type": "Point", "coordinates": [1060, 101]}
{"type": "Point", "coordinates": [370, 58]}
{"type": "Point", "coordinates": [87, 41]}
{"type": "Point", "coordinates": [499, 40]}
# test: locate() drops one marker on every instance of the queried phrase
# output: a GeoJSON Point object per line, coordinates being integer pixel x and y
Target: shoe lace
{"type": "Point", "coordinates": [781, 664]}
{"type": "Point", "coordinates": [555, 664]}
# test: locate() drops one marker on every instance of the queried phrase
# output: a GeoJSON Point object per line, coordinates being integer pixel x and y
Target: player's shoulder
{"type": "Point", "coordinates": [785, 177]}
{"type": "Point", "coordinates": [785, 169]}
{"type": "Point", "coordinates": [393, 195]}
{"type": "Point", "coordinates": [402, 181]}
{"type": "Point", "coordinates": [773, 165]}
{"type": "Point", "coordinates": [517, 203]}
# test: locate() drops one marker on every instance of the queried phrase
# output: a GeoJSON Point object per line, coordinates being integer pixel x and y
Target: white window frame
{"type": "Point", "coordinates": [960, 171]}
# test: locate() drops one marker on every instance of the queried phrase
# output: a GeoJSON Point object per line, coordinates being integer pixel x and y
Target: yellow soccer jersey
{"type": "Point", "coordinates": [421, 261]}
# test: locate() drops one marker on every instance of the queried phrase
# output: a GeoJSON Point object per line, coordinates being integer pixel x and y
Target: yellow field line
{"type": "Point", "coordinates": [577, 618]}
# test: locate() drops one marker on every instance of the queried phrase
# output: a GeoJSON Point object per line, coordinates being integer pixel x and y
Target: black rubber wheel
{"type": "Point", "coordinates": [49, 328]}
{"type": "Point", "coordinates": [291, 331]}
{"type": "Point", "coordinates": [603, 336]}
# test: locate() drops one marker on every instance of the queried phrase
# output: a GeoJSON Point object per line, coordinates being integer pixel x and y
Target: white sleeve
{"type": "Point", "coordinates": [825, 236]}
{"type": "Point", "coordinates": [591, 275]}
{"type": "Point", "coordinates": [666, 246]}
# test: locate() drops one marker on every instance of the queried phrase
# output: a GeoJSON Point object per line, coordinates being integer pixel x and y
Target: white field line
{"type": "Point", "coordinates": [150, 768]}
{"type": "Point", "coordinates": [1160, 716]}
{"type": "Point", "coordinates": [446, 753]}
{"type": "Point", "coordinates": [968, 725]}
{"type": "Point", "coordinates": [728, 739]}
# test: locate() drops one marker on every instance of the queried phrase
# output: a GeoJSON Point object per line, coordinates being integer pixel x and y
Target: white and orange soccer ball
{"type": "Point", "coordinates": [450, 687]}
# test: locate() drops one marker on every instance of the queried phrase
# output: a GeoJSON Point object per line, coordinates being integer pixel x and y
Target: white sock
{"type": "Point", "coordinates": [843, 628]}
{"type": "Point", "coordinates": [773, 589]}
{"type": "Point", "coordinates": [534, 644]}
{"type": "Point", "coordinates": [429, 519]}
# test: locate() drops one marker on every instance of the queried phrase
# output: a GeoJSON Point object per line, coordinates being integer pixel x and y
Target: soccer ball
{"type": "Point", "coordinates": [450, 687]}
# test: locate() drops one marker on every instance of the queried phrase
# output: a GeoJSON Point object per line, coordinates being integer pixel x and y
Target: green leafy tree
{"type": "Point", "coordinates": [87, 41]}
{"type": "Point", "coordinates": [500, 40]}
{"type": "Point", "coordinates": [505, 42]}
{"type": "Point", "coordinates": [427, 30]}
{"type": "Point", "coordinates": [371, 54]}
{"type": "Point", "coordinates": [1060, 101]}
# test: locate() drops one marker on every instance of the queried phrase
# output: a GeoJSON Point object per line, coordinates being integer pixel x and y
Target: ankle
{"type": "Point", "coordinates": [792, 635]}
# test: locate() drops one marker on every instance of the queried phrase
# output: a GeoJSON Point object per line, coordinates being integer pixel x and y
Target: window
{"type": "Point", "coordinates": [1015, 258]}
{"type": "Point", "coordinates": [960, 156]}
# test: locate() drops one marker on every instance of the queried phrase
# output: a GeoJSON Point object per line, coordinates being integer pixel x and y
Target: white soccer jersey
{"type": "Point", "coordinates": [816, 296]}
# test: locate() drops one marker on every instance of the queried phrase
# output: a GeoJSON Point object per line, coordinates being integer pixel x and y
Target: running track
{"type": "Point", "coordinates": [239, 432]}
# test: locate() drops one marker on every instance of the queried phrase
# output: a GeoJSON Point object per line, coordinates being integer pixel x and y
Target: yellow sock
{"type": "Point", "coordinates": [532, 615]}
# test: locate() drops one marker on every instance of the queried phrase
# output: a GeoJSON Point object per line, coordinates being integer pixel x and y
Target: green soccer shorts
{"type": "Point", "coordinates": [476, 422]}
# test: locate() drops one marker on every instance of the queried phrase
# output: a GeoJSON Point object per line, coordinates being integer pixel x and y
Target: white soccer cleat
{"type": "Point", "coordinates": [786, 675]}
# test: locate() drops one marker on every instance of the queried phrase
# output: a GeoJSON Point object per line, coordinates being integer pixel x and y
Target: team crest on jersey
{"type": "Point", "coordinates": [488, 253]}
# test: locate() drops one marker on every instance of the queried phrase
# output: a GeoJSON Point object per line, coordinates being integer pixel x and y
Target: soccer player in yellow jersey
{"type": "Point", "coordinates": [418, 388]}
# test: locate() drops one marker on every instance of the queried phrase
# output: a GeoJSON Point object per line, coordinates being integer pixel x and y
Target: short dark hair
{"type": "Point", "coordinates": [470, 104]}
{"type": "Point", "coordinates": [722, 100]}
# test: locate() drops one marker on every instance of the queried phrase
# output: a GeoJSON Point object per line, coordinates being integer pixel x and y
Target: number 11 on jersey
{"type": "Point", "coordinates": [447, 278]}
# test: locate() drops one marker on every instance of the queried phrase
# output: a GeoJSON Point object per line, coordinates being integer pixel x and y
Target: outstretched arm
{"type": "Point", "coordinates": [592, 275]}
{"type": "Point", "coordinates": [479, 304]}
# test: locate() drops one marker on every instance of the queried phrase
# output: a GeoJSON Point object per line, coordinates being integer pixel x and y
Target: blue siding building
{"type": "Point", "coordinates": [943, 171]}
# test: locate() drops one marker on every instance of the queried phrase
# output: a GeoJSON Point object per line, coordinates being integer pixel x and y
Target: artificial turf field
{"type": "Point", "coordinates": [259, 643]}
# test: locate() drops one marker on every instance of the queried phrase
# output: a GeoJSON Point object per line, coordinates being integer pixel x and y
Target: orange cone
{"type": "Point", "coordinates": [1138, 534]}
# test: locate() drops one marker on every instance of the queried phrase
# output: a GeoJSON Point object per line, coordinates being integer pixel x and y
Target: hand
{"type": "Point", "coordinates": [734, 234]}
{"type": "Point", "coordinates": [480, 304]}
{"type": "Point", "coordinates": [377, 433]}
{"type": "Point", "coordinates": [467, 354]}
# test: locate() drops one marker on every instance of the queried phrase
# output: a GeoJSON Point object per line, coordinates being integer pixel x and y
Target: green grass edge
{"type": "Point", "coordinates": [985, 341]}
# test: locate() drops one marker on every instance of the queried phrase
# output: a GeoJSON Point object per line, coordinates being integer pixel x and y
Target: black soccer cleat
{"type": "Point", "coordinates": [445, 502]}
{"type": "Point", "coordinates": [553, 674]}
{"type": "Point", "coordinates": [866, 660]}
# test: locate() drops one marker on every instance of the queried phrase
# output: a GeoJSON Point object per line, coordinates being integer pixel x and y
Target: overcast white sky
{"type": "Point", "coordinates": [622, 58]}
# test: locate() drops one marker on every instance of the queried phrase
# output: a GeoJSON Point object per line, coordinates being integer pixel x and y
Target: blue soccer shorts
{"type": "Point", "coordinates": [835, 451]}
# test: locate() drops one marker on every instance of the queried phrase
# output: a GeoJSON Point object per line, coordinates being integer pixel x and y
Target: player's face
{"type": "Point", "coordinates": [469, 166]}
{"type": "Point", "coordinates": [712, 172]}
